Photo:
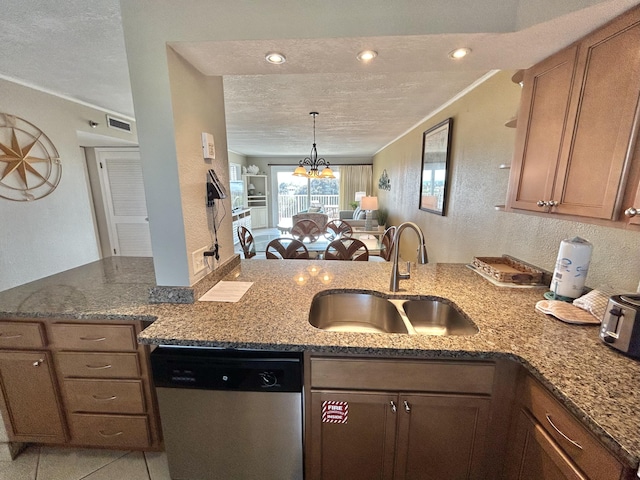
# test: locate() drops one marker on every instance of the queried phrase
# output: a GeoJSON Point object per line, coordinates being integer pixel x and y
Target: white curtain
{"type": "Point", "coordinates": [354, 178]}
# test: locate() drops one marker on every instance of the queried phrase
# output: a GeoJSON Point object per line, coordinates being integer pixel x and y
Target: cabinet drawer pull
{"type": "Point", "coordinates": [572, 442]}
{"type": "Point", "coordinates": [37, 363]}
{"type": "Point", "coordinates": [104, 399]}
{"type": "Point", "coordinates": [93, 339]}
{"type": "Point", "coordinates": [407, 407]}
{"type": "Point", "coordinates": [109, 435]}
{"type": "Point", "coordinates": [393, 406]}
{"type": "Point", "coordinates": [98, 367]}
{"type": "Point", "coordinates": [10, 335]}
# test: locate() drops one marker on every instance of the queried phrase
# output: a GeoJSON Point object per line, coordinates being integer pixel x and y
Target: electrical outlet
{"type": "Point", "coordinates": [197, 258]}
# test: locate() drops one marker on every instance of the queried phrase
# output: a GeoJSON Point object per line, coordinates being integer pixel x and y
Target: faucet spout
{"type": "Point", "coordinates": [396, 276]}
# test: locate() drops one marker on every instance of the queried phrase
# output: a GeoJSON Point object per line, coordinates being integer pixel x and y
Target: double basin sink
{"type": "Point", "coordinates": [369, 312]}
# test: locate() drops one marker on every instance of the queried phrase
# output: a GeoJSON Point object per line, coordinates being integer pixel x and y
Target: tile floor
{"type": "Point", "coordinates": [52, 463]}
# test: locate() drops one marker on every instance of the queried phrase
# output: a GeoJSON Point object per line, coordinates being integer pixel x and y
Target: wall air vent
{"type": "Point", "coordinates": [118, 124]}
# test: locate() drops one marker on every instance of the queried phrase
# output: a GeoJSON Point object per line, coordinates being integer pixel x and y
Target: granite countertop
{"type": "Point", "coordinates": [596, 382]}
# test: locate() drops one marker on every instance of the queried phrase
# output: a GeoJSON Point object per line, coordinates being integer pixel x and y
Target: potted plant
{"type": "Point", "coordinates": [382, 216]}
{"type": "Point", "coordinates": [353, 205]}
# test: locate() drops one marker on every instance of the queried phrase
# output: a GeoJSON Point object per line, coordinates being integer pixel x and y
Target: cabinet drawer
{"type": "Point", "coordinates": [21, 335]}
{"type": "Point", "coordinates": [591, 456]}
{"type": "Point", "coordinates": [93, 337]}
{"type": "Point", "coordinates": [414, 375]}
{"type": "Point", "coordinates": [104, 396]}
{"type": "Point", "coordinates": [101, 365]}
{"type": "Point", "coordinates": [109, 430]}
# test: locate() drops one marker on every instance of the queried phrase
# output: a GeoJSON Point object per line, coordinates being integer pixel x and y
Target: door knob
{"type": "Point", "coordinates": [631, 212]}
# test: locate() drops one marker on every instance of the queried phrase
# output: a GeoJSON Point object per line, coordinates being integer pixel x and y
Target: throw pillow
{"type": "Point", "coordinates": [362, 215]}
{"type": "Point", "coordinates": [356, 212]}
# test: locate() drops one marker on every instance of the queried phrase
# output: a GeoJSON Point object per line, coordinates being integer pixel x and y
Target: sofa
{"type": "Point", "coordinates": [356, 218]}
{"type": "Point", "coordinates": [320, 218]}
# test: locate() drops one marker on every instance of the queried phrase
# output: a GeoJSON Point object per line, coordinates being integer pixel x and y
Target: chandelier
{"type": "Point", "coordinates": [313, 161]}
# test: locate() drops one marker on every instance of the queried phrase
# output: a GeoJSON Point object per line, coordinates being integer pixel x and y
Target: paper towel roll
{"type": "Point", "coordinates": [572, 266]}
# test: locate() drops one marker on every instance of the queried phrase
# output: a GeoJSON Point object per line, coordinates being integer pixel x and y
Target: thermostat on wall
{"type": "Point", "coordinates": [208, 147]}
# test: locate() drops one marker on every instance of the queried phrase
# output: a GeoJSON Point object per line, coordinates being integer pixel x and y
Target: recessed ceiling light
{"type": "Point", "coordinates": [459, 53]}
{"type": "Point", "coordinates": [275, 58]}
{"type": "Point", "coordinates": [367, 55]}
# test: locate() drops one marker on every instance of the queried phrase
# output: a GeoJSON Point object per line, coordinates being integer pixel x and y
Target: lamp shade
{"type": "Point", "coordinates": [369, 203]}
{"type": "Point", "coordinates": [359, 195]}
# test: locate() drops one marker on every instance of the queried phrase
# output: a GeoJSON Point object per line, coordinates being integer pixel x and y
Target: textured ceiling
{"type": "Point", "coordinates": [76, 49]}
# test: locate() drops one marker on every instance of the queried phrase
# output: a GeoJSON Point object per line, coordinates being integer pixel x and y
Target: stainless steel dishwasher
{"type": "Point", "coordinates": [230, 414]}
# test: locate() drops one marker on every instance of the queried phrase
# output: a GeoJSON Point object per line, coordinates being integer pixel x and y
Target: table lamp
{"type": "Point", "coordinates": [368, 204]}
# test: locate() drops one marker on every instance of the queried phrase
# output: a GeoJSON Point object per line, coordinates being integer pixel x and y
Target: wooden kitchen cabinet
{"type": "Point", "coordinates": [104, 379]}
{"type": "Point", "coordinates": [536, 456]}
{"type": "Point", "coordinates": [30, 402]}
{"type": "Point", "coordinates": [548, 442]}
{"type": "Point", "coordinates": [360, 448]}
{"type": "Point", "coordinates": [77, 383]}
{"type": "Point", "coordinates": [577, 122]}
{"type": "Point", "coordinates": [398, 434]}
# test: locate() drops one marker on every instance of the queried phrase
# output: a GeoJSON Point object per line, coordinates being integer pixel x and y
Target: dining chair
{"type": "Point", "coordinates": [246, 242]}
{"type": "Point", "coordinates": [337, 228]}
{"type": "Point", "coordinates": [386, 243]}
{"type": "Point", "coordinates": [346, 248]}
{"type": "Point", "coordinates": [286, 248]}
{"type": "Point", "coordinates": [306, 230]}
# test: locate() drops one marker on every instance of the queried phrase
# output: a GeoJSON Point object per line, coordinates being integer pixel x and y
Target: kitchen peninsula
{"type": "Point", "coordinates": [594, 382]}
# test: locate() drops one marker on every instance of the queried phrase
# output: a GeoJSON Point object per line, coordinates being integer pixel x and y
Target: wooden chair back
{"type": "Point", "coordinates": [337, 228]}
{"type": "Point", "coordinates": [347, 248]}
{"type": "Point", "coordinates": [306, 230]}
{"type": "Point", "coordinates": [386, 242]}
{"type": "Point", "coordinates": [286, 248]}
{"type": "Point", "coordinates": [246, 242]}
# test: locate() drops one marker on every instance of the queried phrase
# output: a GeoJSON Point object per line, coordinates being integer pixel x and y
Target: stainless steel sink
{"type": "Point", "coordinates": [355, 312]}
{"type": "Point", "coordinates": [434, 317]}
{"type": "Point", "coordinates": [365, 312]}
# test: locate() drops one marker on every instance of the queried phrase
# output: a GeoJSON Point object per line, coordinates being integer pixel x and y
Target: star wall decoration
{"type": "Point", "coordinates": [30, 167]}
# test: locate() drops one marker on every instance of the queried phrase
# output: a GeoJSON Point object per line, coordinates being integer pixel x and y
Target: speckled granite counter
{"type": "Point", "coordinates": [597, 383]}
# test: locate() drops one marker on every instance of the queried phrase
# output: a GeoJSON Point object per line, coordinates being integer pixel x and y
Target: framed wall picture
{"type": "Point", "coordinates": [436, 146]}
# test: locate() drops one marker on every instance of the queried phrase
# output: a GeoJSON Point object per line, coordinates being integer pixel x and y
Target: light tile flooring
{"type": "Point", "coordinates": [52, 463]}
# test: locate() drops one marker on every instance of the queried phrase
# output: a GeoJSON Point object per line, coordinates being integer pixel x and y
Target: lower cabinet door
{"type": "Point", "coordinates": [352, 436]}
{"type": "Point", "coordinates": [534, 455]}
{"type": "Point", "coordinates": [441, 436]}
{"type": "Point", "coordinates": [30, 403]}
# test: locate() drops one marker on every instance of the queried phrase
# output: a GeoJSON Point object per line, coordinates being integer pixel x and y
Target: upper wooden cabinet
{"type": "Point", "coordinates": [577, 125]}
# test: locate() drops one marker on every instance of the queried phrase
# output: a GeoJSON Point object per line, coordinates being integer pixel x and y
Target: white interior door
{"type": "Point", "coordinates": [124, 200]}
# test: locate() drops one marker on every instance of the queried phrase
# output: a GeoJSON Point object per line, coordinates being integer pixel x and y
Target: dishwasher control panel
{"type": "Point", "coordinates": [215, 369]}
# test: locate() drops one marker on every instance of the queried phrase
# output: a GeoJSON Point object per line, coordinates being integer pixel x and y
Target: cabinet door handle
{"type": "Point", "coordinates": [10, 335]}
{"type": "Point", "coordinates": [572, 442]}
{"type": "Point", "coordinates": [407, 407]}
{"type": "Point", "coordinates": [394, 409]}
{"type": "Point", "coordinates": [631, 212]}
{"type": "Point", "coordinates": [93, 339]}
{"type": "Point", "coordinates": [98, 367]}
{"type": "Point", "coordinates": [108, 435]}
{"type": "Point", "coordinates": [37, 363]}
{"type": "Point", "coordinates": [541, 203]}
{"type": "Point", "coordinates": [104, 399]}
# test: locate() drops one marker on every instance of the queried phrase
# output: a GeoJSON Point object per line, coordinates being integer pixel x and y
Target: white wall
{"type": "Point", "coordinates": [472, 226]}
{"type": "Point", "coordinates": [198, 106]}
{"type": "Point", "coordinates": [57, 232]}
